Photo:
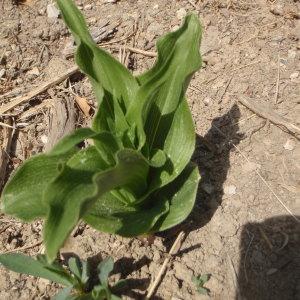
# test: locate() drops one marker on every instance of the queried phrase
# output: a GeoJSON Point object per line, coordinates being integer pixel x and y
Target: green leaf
{"type": "Point", "coordinates": [100, 292]}
{"type": "Point", "coordinates": [181, 194]}
{"type": "Point", "coordinates": [162, 88]}
{"type": "Point", "coordinates": [75, 266]}
{"type": "Point", "coordinates": [26, 265]}
{"type": "Point", "coordinates": [64, 294]}
{"type": "Point", "coordinates": [158, 158]}
{"type": "Point", "coordinates": [203, 291]}
{"type": "Point", "coordinates": [110, 215]}
{"type": "Point", "coordinates": [77, 188]}
{"type": "Point", "coordinates": [22, 195]}
{"type": "Point", "coordinates": [85, 272]}
{"type": "Point", "coordinates": [104, 269]}
{"type": "Point", "coordinates": [199, 282]}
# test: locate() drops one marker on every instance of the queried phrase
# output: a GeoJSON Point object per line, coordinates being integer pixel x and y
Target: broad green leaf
{"type": "Point", "coordinates": [22, 195]}
{"type": "Point", "coordinates": [181, 194]}
{"type": "Point", "coordinates": [77, 188]}
{"type": "Point", "coordinates": [104, 269]}
{"type": "Point", "coordinates": [163, 87]}
{"type": "Point", "coordinates": [26, 265]}
{"type": "Point", "coordinates": [178, 146]}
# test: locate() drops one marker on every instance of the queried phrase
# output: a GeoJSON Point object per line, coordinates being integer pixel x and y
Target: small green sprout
{"type": "Point", "coordinates": [199, 282]}
{"type": "Point", "coordinates": [75, 278]}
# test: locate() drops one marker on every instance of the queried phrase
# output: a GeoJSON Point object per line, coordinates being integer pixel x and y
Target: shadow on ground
{"type": "Point", "coordinates": [270, 260]}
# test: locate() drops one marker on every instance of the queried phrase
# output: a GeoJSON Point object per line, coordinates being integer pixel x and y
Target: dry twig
{"type": "Point", "coordinates": [270, 115]}
{"type": "Point", "coordinates": [277, 81]}
{"type": "Point", "coordinates": [24, 98]}
{"type": "Point", "coordinates": [176, 246]}
{"type": "Point", "coordinates": [7, 139]}
{"type": "Point", "coordinates": [23, 248]}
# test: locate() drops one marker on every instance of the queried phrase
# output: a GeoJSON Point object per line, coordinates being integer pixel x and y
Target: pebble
{"type": "Point", "coordinates": [207, 100]}
{"type": "Point", "coordinates": [292, 54]}
{"type": "Point", "coordinates": [294, 76]}
{"type": "Point", "coordinates": [230, 189]}
{"type": "Point", "coordinates": [44, 139]}
{"type": "Point", "coordinates": [52, 11]}
{"type": "Point", "coordinates": [271, 271]}
{"type": "Point", "coordinates": [34, 71]}
{"type": "Point", "coordinates": [88, 7]}
{"type": "Point", "coordinates": [277, 10]}
{"type": "Point", "coordinates": [2, 73]}
{"type": "Point", "coordinates": [181, 13]}
{"type": "Point", "coordinates": [289, 145]}
{"type": "Point", "coordinates": [207, 187]}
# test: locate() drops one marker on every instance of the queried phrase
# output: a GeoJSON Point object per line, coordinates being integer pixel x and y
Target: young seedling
{"type": "Point", "coordinates": [75, 278]}
{"type": "Point", "coordinates": [137, 177]}
{"type": "Point", "coordinates": [199, 282]}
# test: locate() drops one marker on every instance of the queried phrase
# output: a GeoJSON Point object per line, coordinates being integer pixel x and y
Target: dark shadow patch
{"type": "Point", "coordinates": [270, 260]}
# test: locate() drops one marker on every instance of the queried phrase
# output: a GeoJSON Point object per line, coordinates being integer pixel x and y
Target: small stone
{"type": "Point", "coordinates": [88, 7]}
{"type": "Point", "coordinates": [34, 71]}
{"type": "Point", "coordinates": [52, 11]}
{"type": "Point", "coordinates": [271, 271]}
{"type": "Point", "coordinates": [294, 75]}
{"type": "Point", "coordinates": [207, 100]}
{"type": "Point", "coordinates": [289, 145]}
{"type": "Point", "coordinates": [44, 139]}
{"type": "Point", "coordinates": [174, 28]}
{"type": "Point", "coordinates": [230, 189]}
{"type": "Point", "coordinates": [2, 73]}
{"type": "Point", "coordinates": [92, 20]}
{"type": "Point", "coordinates": [207, 187]}
{"type": "Point", "coordinates": [258, 257]}
{"type": "Point", "coordinates": [181, 13]}
{"type": "Point", "coordinates": [292, 54]}
{"type": "Point", "coordinates": [110, 1]}
{"type": "Point", "coordinates": [156, 256]}
{"type": "Point", "coordinates": [277, 10]}
{"type": "Point", "coordinates": [155, 6]}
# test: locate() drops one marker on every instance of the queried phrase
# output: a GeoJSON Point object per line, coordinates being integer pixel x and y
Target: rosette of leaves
{"type": "Point", "coordinates": [135, 177]}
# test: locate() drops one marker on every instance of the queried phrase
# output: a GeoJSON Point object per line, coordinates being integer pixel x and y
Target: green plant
{"type": "Point", "coordinates": [136, 177]}
{"type": "Point", "coordinates": [199, 282]}
{"type": "Point", "coordinates": [75, 278]}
